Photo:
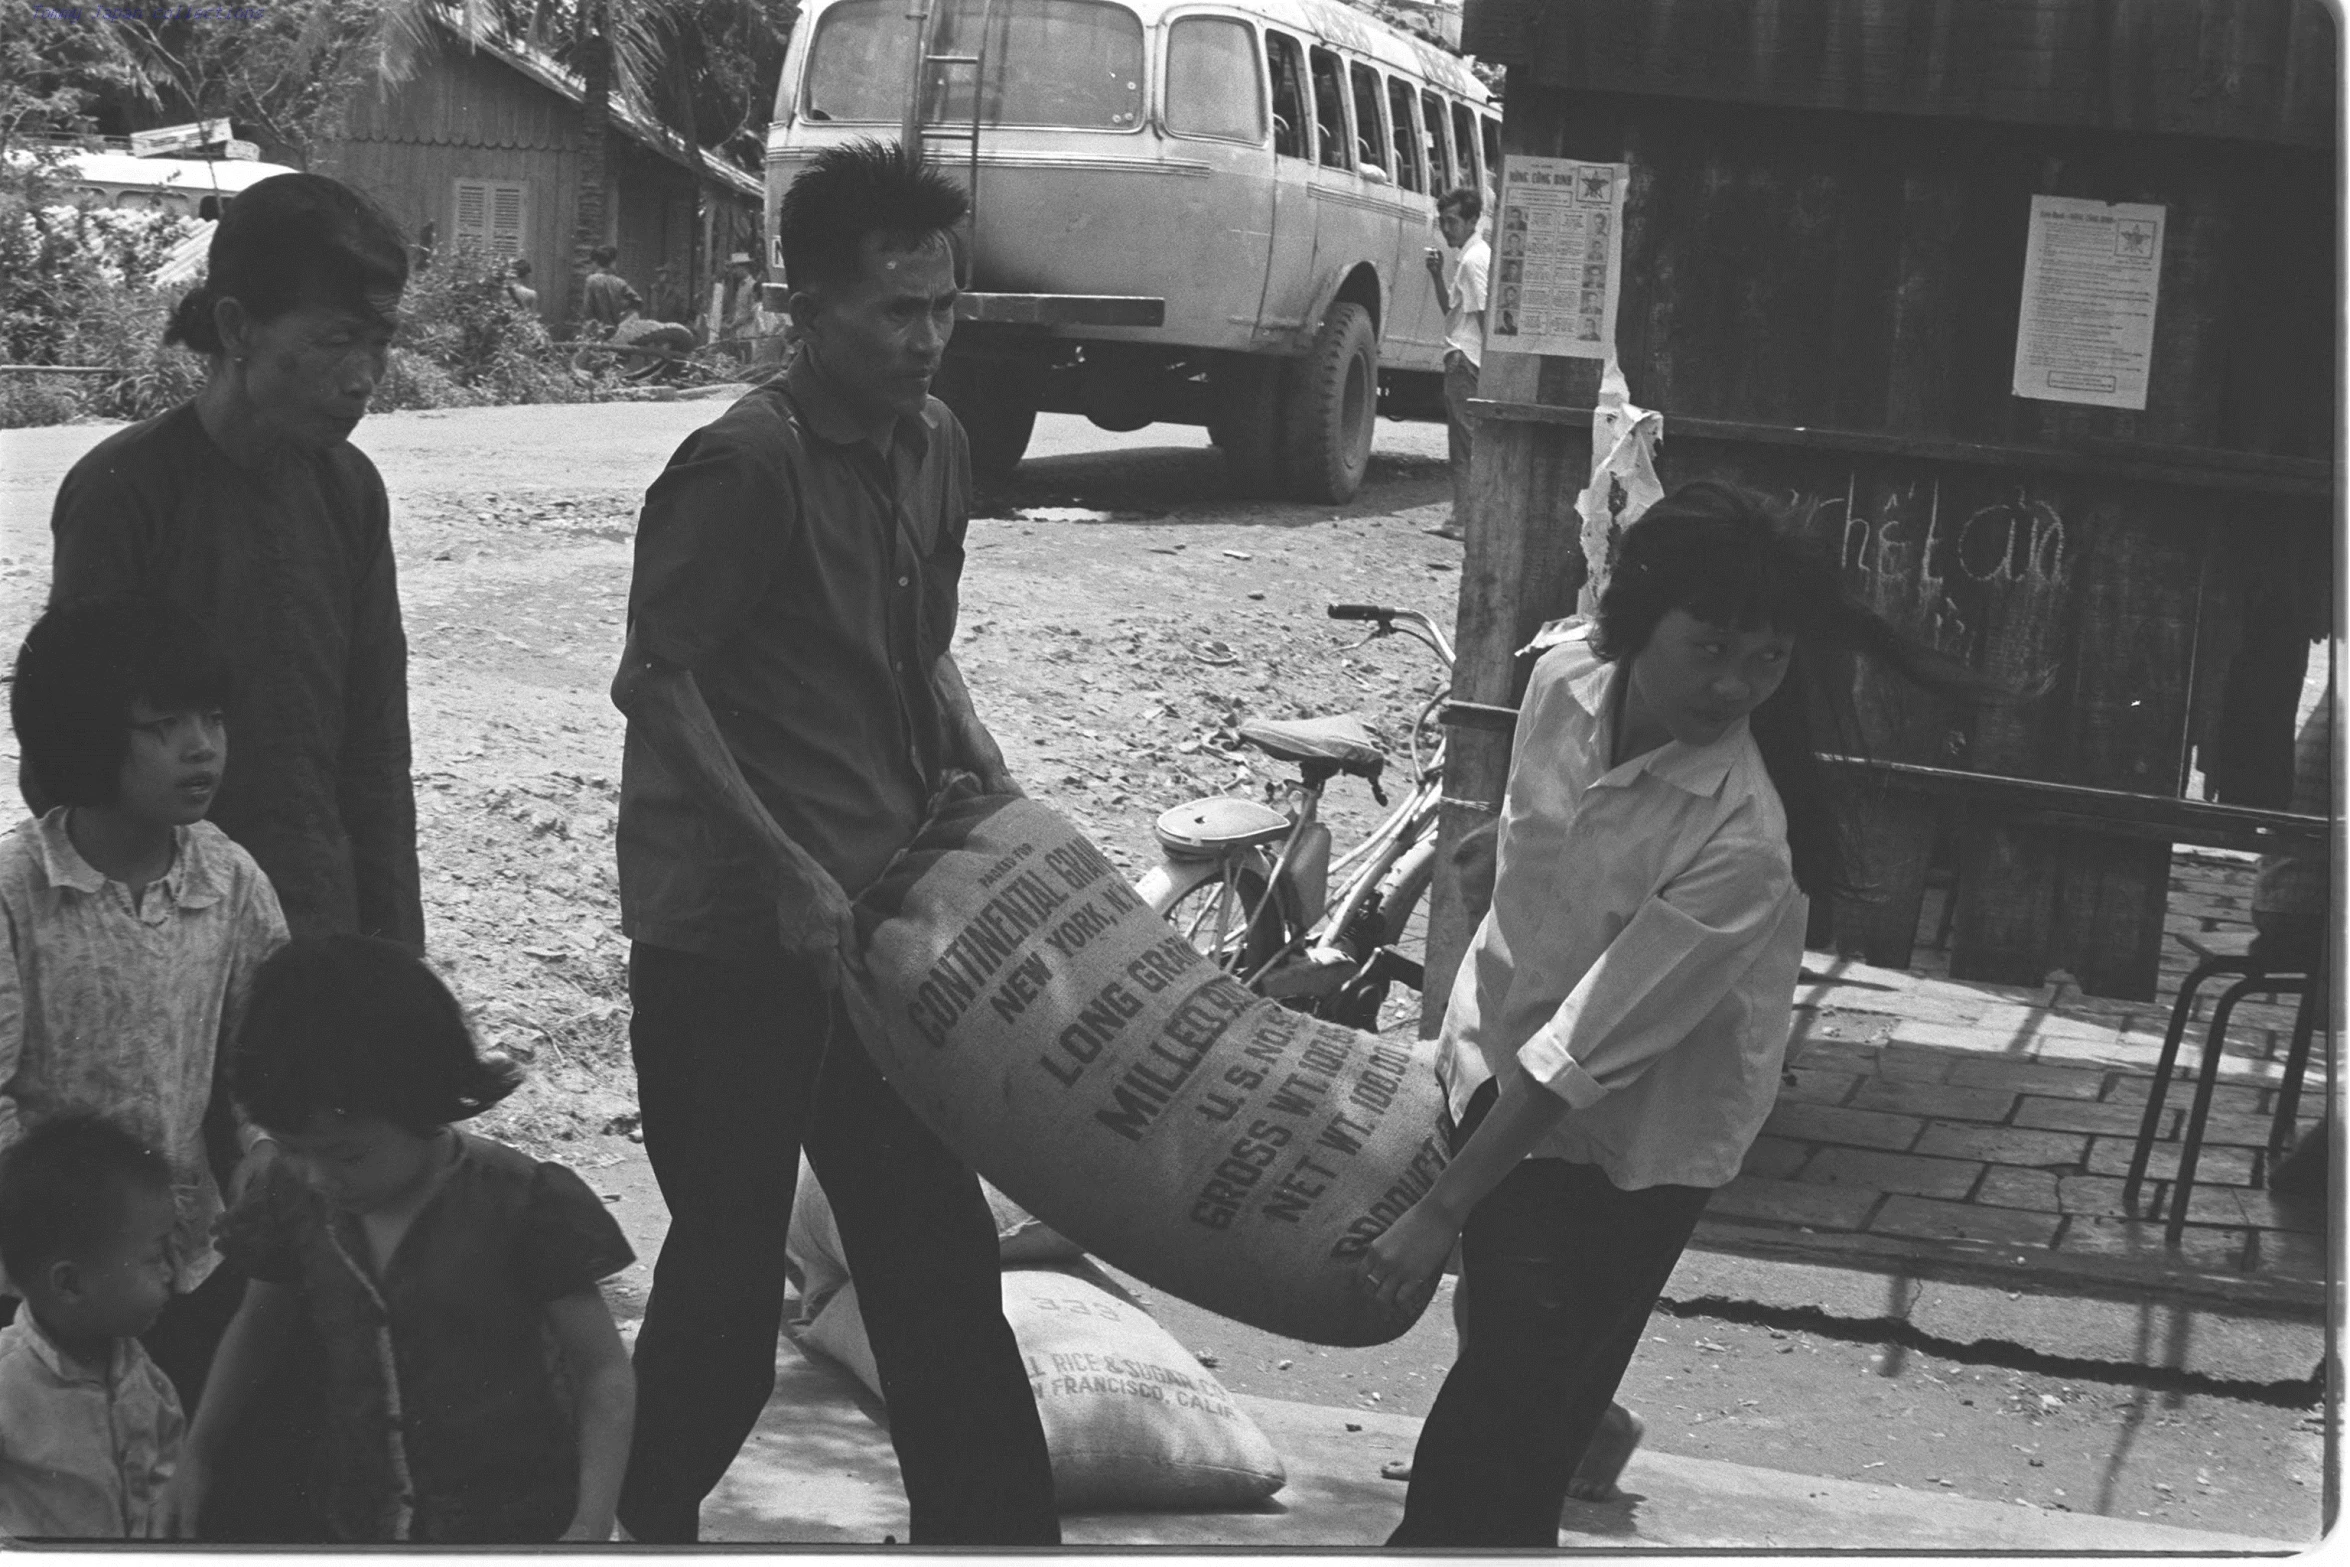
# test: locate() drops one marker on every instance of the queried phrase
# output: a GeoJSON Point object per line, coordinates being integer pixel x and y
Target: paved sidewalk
{"type": "Point", "coordinates": [819, 1471]}
{"type": "Point", "coordinates": [1971, 1130]}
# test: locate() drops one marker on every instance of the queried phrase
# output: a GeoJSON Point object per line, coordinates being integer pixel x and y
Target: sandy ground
{"type": "Point", "coordinates": [1120, 615]}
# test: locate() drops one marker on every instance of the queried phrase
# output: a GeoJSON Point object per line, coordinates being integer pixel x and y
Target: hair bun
{"type": "Point", "coordinates": [192, 323]}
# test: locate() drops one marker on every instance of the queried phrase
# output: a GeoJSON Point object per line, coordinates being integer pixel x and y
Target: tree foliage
{"type": "Point", "coordinates": [283, 72]}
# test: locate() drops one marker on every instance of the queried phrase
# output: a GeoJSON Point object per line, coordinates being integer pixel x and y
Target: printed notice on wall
{"type": "Point", "coordinates": [2092, 271]}
{"type": "Point", "coordinates": [1557, 257]}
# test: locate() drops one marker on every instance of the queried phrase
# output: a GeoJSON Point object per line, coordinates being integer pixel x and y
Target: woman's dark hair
{"type": "Point", "coordinates": [83, 664]}
{"type": "Point", "coordinates": [860, 188]}
{"type": "Point", "coordinates": [358, 1026]}
{"type": "Point", "coordinates": [290, 240]}
{"type": "Point", "coordinates": [1729, 558]}
{"type": "Point", "coordinates": [65, 1185]}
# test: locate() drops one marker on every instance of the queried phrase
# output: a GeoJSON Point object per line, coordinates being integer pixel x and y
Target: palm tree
{"type": "Point", "coordinates": [678, 63]}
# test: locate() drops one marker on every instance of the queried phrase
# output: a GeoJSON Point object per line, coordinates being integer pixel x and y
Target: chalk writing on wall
{"type": "Point", "coordinates": [1904, 546]}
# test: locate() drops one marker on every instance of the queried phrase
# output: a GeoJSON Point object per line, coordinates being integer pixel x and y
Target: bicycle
{"type": "Point", "coordinates": [1250, 885]}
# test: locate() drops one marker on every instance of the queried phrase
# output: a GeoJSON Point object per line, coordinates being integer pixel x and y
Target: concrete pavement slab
{"type": "Point", "coordinates": [819, 1471]}
{"type": "Point", "coordinates": [2125, 1325]}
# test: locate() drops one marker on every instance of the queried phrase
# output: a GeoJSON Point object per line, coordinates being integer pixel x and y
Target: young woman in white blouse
{"type": "Point", "coordinates": [1618, 1027]}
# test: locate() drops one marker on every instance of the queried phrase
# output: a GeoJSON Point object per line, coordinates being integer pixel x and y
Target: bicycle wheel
{"type": "Point", "coordinates": [1225, 909]}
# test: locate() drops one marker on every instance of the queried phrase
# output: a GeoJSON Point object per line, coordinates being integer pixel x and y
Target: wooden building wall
{"type": "Point", "coordinates": [1825, 237]}
{"type": "Point", "coordinates": [466, 115]}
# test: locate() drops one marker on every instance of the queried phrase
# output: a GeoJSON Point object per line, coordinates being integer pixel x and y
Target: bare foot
{"type": "Point", "coordinates": [1603, 1463]}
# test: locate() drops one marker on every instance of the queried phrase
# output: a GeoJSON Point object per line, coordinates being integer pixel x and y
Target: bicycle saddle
{"type": "Point", "coordinates": [1341, 742]}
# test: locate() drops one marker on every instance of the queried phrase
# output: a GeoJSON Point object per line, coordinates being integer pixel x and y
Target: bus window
{"type": "Point", "coordinates": [1489, 137]}
{"type": "Point", "coordinates": [1335, 147]}
{"type": "Point", "coordinates": [1464, 145]}
{"type": "Point", "coordinates": [857, 68]}
{"type": "Point", "coordinates": [1289, 95]}
{"type": "Point", "coordinates": [1370, 125]}
{"type": "Point", "coordinates": [1441, 177]}
{"type": "Point", "coordinates": [1095, 82]}
{"type": "Point", "coordinates": [1411, 160]}
{"type": "Point", "coordinates": [1213, 87]}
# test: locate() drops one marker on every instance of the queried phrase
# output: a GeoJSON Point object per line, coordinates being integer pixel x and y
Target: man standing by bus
{"type": "Point", "coordinates": [792, 706]}
{"type": "Point", "coordinates": [1463, 298]}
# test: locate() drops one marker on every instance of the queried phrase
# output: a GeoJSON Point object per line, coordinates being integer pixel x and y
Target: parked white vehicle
{"type": "Point", "coordinates": [1192, 211]}
{"type": "Point", "coordinates": [190, 187]}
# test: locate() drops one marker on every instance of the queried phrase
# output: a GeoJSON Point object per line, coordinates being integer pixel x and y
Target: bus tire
{"type": "Point", "coordinates": [1246, 422]}
{"type": "Point", "coordinates": [997, 408]}
{"type": "Point", "coordinates": [1333, 399]}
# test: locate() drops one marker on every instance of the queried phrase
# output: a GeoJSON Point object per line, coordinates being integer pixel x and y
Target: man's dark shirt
{"type": "Point", "coordinates": [607, 297]}
{"type": "Point", "coordinates": [291, 568]}
{"type": "Point", "coordinates": [809, 584]}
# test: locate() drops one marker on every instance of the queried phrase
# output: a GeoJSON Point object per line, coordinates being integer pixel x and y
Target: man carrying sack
{"type": "Point", "coordinates": [792, 707]}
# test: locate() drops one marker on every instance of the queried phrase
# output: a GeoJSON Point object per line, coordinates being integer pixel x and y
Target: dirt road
{"type": "Point", "coordinates": [1120, 615]}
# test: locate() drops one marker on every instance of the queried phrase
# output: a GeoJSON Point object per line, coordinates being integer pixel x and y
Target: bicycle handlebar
{"type": "Point", "coordinates": [1363, 612]}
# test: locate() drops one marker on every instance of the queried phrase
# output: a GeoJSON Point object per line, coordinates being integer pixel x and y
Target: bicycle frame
{"type": "Point", "coordinates": [1325, 938]}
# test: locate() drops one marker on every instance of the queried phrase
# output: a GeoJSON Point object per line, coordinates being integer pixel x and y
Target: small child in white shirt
{"type": "Point", "coordinates": [90, 1429]}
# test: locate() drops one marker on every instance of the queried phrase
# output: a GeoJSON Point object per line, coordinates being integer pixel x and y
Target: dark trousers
{"type": "Point", "coordinates": [1561, 1269]}
{"type": "Point", "coordinates": [733, 1075]}
{"type": "Point", "coordinates": [1460, 384]}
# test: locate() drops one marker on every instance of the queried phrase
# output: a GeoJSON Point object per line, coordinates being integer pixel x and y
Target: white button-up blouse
{"type": "Point", "coordinates": [1645, 938]}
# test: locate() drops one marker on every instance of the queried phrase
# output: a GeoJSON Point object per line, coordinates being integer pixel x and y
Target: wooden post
{"type": "Point", "coordinates": [1520, 569]}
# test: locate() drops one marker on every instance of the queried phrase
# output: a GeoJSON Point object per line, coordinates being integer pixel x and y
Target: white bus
{"type": "Point", "coordinates": [1194, 211]}
{"type": "Point", "coordinates": [190, 187]}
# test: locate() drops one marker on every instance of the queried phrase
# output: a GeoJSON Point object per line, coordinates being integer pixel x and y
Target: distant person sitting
{"type": "Point", "coordinates": [90, 1429]}
{"type": "Point", "coordinates": [518, 287]}
{"type": "Point", "coordinates": [668, 341]}
{"type": "Point", "coordinates": [608, 300]}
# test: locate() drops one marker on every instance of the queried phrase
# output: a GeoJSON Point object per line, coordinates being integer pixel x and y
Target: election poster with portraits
{"type": "Point", "coordinates": [1558, 245]}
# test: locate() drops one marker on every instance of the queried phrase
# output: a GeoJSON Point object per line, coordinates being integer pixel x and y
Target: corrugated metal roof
{"type": "Point", "coordinates": [543, 71]}
{"type": "Point", "coordinates": [189, 174]}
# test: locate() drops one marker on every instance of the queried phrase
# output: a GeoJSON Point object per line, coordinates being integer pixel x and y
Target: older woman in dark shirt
{"type": "Point", "coordinates": [250, 507]}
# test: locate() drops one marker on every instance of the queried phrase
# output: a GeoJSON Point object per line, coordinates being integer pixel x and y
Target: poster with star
{"type": "Point", "coordinates": [2092, 275]}
{"type": "Point", "coordinates": [1558, 247]}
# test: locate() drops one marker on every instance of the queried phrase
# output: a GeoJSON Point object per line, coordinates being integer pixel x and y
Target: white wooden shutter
{"type": "Point", "coordinates": [506, 213]}
{"type": "Point", "coordinates": [492, 216]}
{"type": "Point", "coordinates": [473, 215]}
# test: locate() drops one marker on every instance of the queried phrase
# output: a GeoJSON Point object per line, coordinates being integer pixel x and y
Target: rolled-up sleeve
{"type": "Point", "coordinates": [1666, 970]}
{"type": "Point", "coordinates": [707, 548]}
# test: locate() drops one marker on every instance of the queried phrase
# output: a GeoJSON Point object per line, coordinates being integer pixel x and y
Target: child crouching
{"type": "Point", "coordinates": [89, 1427]}
{"type": "Point", "coordinates": [477, 1391]}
